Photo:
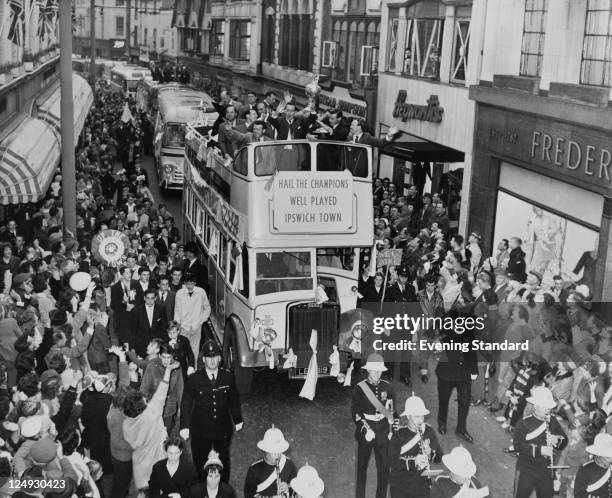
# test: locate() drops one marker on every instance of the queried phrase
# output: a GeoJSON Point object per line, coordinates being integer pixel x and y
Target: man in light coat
{"type": "Point", "coordinates": [191, 311]}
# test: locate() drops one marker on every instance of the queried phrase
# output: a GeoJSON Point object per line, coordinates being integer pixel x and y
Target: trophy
{"type": "Point", "coordinates": [312, 92]}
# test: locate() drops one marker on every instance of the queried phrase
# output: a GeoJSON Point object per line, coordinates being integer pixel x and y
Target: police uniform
{"type": "Point", "coordinates": [445, 487]}
{"type": "Point", "coordinates": [261, 477]}
{"type": "Point", "coordinates": [593, 481]}
{"type": "Point", "coordinates": [404, 477]}
{"type": "Point", "coordinates": [532, 472]}
{"type": "Point", "coordinates": [210, 410]}
{"type": "Point", "coordinates": [364, 409]}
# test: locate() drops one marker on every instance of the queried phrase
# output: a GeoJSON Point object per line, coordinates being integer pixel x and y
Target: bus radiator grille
{"type": "Point", "coordinates": [305, 317]}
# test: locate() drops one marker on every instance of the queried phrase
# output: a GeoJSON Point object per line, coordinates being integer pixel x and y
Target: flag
{"type": "Point", "coordinates": [16, 21]}
{"type": "Point", "coordinates": [126, 117]}
{"type": "Point", "coordinates": [310, 384]}
{"type": "Point", "coordinates": [48, 12]}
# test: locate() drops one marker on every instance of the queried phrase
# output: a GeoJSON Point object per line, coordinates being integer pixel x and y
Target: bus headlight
{"type": "Point", "coordinates": [269, 335]}
{"type": "Point", "coordinates": [168, 169]}
{"type": "Point", "coordinates": [356, 331]}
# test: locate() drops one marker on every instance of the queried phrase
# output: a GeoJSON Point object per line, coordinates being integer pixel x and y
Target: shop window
{"type": "Point", "coordinates": [217, 37]}
{"type": "Point", "coordinates": [596, 55]}
{"type": "Point", "coordinates": [534, 31]}
{"type": "Point", "coordinates": [461, 46]}
{"type": "Point", "coordinates": [240, 40]}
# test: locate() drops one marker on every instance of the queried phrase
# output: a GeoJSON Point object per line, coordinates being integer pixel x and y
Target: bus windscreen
{"type": "Point", "coordinates": [174, 136]}
{"type": "Point", "coordinates": [282, 272]}
{"type": "Point", "coordinates": [277, 157]}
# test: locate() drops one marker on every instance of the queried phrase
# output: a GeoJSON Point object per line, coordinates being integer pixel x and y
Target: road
{"type": "Point", "coordinates": [320, 432]}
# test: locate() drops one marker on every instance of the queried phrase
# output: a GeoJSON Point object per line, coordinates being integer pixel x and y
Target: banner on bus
{"type": "Point", "coordinates": [304, 203]}
{"type": "Point", "coordinates": [229, 219]}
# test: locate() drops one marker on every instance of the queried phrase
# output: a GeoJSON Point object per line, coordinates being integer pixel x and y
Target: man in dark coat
{"type": "Point", "coordinates": [357, 161]}
{"type": "Point", "coordinates": [122, 304]}
{"type": "Point", "coordinates": [150, 321]}
{"type": "Point", "coordinates": [291, 126]}
{"type": "Point", "coordinates": [210, 410]}
{"type": "Point", "coordinates": [192, 265]}
{"type": "Point", "coordinates": [456, 369]}
{"type": "Point", "coordinates": [401, 292]}
{"type": "Point", "coordinates": [516, 264]}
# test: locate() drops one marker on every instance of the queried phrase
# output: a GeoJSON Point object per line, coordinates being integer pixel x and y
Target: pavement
{"type": "Point", "coordinates": [320, 432]}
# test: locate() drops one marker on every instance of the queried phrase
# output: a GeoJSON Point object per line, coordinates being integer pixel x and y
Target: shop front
{"type": "Point", "coordinates": [541, 172]}
{"type": "Point", "coordinates": [435, 142]}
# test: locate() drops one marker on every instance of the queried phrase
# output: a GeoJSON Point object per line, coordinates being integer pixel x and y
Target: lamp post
{"type": "Point", "coordinates": [67, 117]}
{"type": "Point", "coordinates": [92, 42]}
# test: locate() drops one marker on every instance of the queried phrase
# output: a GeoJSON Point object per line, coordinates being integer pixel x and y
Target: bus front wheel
{"type": "Point", "coordinates": [242, 375]}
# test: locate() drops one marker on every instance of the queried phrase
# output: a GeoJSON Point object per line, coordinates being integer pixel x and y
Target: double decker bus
{"type": "Point", "coordinates": [281, 229]}
{"type": "Point", "coordinates": [176, 105]}
{"type": "Point", "coordinates": [124, 78]}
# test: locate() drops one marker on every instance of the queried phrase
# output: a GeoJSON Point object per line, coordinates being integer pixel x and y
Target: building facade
{"type": "Point", "coordinates": [110, 28]}
{"type": "Point", "coordinates": [428, 58]}
{"type": "Point", "coordinates": [280, 45]}
{"type": "Point", "coordinates": [30, 141]}
{"type": "Point", "coordinates": [543, 134]}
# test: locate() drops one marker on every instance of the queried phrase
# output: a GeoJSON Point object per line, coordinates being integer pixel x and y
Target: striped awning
{"type": "Point", "coordinates": [28, 157]}
{"type": "Point", "coordinates": [49, 111]}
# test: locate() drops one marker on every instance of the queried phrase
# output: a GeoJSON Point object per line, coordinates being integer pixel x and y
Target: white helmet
{"type": "Point", "coordinates": [414, 406]}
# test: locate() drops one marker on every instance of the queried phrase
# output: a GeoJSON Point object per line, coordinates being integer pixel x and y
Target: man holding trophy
{"type": "Point", "coordinates": [373, 414]}
{"type": "Point", "coordinates": [412, 449]}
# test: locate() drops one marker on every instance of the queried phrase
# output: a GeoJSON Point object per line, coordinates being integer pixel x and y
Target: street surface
{"type": "Point", "coordinates": [320, 432]}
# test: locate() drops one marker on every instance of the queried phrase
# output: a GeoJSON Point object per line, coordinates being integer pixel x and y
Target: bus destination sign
{"type": "Point", "coordinates": [307, 204]}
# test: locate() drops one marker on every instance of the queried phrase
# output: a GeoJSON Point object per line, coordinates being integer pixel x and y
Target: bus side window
{"type": "Point", "coordinates": [241, 162]}
{"type": "Point", "coordinates": [245, 271]}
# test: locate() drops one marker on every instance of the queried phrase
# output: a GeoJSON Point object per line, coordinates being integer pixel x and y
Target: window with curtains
{"type": "Point", "coordinates": [267, 49]}
{"type": "Point", "coordinates": [461, 44]}
{"type": "Point", "coordinates": [296, 34]}
{"type": "Point", "coordinates": [217, 37]}
{"type": "Point", "coordinates": [119, 27]}
{"type": "Point", "coordinates": [350, 37]}
{"type": "Point", "coordinates": [534, 32]}
{"type": "Point", "coordinates": [597, 45]}
{"type": "Point", "coordinates": [240, 40]}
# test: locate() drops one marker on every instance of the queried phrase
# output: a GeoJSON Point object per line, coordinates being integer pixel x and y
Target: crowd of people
{"type": "Point", "coordinates": [111, 380]}
{"type": "Point", "coordinates": [561, 383]}
{"type": "Point", "coordinates": [560, 388]}
{"type": "Point", "coordinates": [111, 375]}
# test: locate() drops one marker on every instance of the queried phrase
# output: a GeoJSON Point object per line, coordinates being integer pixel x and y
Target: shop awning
{"type": "Point", "coordinates": [414, 149]}
{"type": "Point", "coordinates": [49, 111]}
{"type": "Point", "coordinates": [28, 157]}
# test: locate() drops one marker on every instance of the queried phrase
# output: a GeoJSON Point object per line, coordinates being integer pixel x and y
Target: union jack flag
{"type": "Point", "coordinates": [48, 14]}
{"type": "Point", "coordinates": [16, 21]}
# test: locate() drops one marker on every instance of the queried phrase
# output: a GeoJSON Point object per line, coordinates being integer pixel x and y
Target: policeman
{"type": "Point", "coordinates": [594, 479]}
{"type": "Point", "coordinates": [270, 476]}
{"type": "Point", "coordinates": [460, 481]}
{"type": "Point", "coordinates": [373, 415]}
{"type": "Point", "coordinates": [536, 438]}
{"type": "Point", "coordinates": [401, 291]}
{"type": "Point", "coordinates": [413, 447]}
{"type": "Point", "coordinates": [210, 410]}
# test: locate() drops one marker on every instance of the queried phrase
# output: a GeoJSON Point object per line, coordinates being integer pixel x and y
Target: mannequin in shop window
{"type": "Point", "coordinates": [586, 264]}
